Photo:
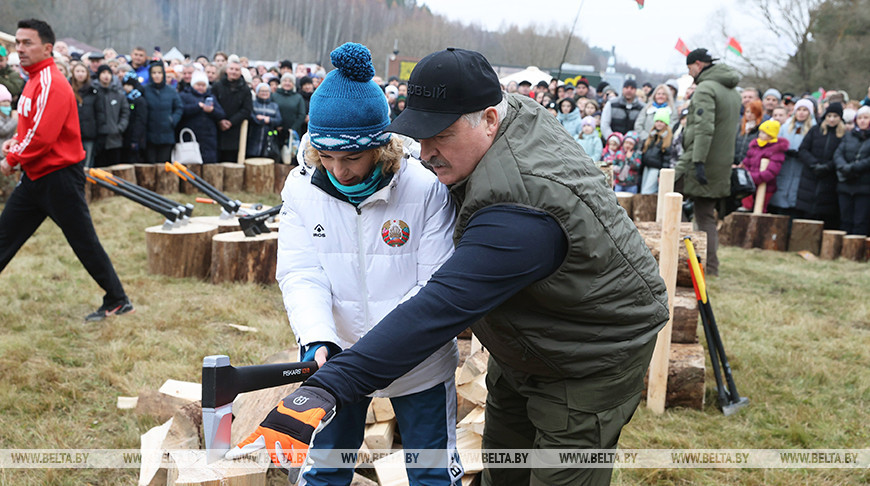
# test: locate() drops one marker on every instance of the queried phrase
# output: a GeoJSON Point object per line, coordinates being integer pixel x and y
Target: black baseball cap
{"type": "Point", "coordinates": [630, 83]}
{"type": "Point", "coordinates": [444, 86]}
{"type": "Point", "coordinates": [699, 54]}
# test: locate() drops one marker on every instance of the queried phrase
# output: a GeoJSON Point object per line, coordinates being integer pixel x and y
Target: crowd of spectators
{"type": "Point", "coordinates": [818, 144]}
{"type": "Point", "coordinates": [133, 107]}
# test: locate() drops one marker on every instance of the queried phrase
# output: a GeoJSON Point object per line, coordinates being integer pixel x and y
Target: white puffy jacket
{"type": "Point", "coordinates": [342, 268]}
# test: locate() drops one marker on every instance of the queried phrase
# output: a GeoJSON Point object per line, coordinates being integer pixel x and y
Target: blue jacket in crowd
{"type": "Point", "coordinates": [164, 112]}
{"type": "Point", "coordinates": [204, 125]}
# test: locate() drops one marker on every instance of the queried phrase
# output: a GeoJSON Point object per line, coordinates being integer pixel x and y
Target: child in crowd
{"type": "Point", "coordinates": [780, 114]}
{"type": "Point", "coordinates": [610, 156]}
{"type": "Point", "coordinates": [656, 151]}
{"type": "Point", "coordinates": [766, 146]}
{"type": "Point", "coordinates": [626, 168]}
{"type": "Point", "coordinates": [589, 139]}
{"type": "Point", "coordinates": [677, 143]}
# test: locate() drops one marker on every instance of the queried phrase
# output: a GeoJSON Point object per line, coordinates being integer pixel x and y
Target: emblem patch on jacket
{"type": "Point", "coordinates": [395, 232]}
{"type": "Point", "coordinates": [319, 232]}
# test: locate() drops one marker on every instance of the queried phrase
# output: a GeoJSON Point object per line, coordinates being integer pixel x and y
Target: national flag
{"type": "Point", "coordinates": [734, 46]}
{"type": "Point", "coordinates": [639, 4]}
{"type": "Point", "coordinates": [681, 46]}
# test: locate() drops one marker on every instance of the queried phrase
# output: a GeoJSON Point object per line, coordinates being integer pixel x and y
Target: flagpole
{"type": "Point", "coordinates": [568, 42]}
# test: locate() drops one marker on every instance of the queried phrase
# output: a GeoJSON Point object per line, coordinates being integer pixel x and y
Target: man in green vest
{"type": "Point", "coordinates": [550, 272]}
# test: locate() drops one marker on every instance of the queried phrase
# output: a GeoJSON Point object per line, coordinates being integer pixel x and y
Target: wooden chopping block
{"type": "Point", "coordinates": [226, 225]}
{"type": "Point", "coordinates": [180, 252]}
{"type": "Point", "coordinates": [239, 258]}
{"type": "Point", "coordinates": [853, 247]}
{"type": "Point", "coordinates": [832, 244]}
{"type": "Point", "coordinates": [644, 207]}
{"type": "Point", "coordinates": [146, 175]}
{"type": "Point", "coordinates": [806, 235]}
{"type": "Point", "coordinates": [652, 232]}
{"type": "Point", "coordinates": [686, 374]}
{"type": "Point", "coordinates": [234, 176]}
{"type": "Point", "coordinates": [259, 175]}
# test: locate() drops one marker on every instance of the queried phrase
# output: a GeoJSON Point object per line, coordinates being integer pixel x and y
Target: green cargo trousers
{"type": "Point", "coordinates": [525, 412]}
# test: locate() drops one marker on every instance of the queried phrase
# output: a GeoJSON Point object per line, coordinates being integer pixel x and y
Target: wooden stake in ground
{"type": "Point", "coordinates": [180, 252]}
{"type": "Point", "coordinates": [666, 185]}
{"type": "Point", "coordinates": [243, 142]}
{"type": "Point", "coordinates": [668, 261]}
{"type": "Point", "coordinates": [761, 192]}
{"type": "Point", "coordinates": [806, 234]}
{"type": "Point", "coordinates": [832, 243]}
{"type": "Point", "coordinates": [853, 247]}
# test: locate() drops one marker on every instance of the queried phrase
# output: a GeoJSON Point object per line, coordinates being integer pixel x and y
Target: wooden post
{"type": "Point", "coordinates": [853, 247]}
{"type": "Point", "coordinates": [180, 252]}
{"type": "Point", "coordinates": [761, 192]}
{"type": "Point", "coordinates": [668, 261]}
{"type": "Point", "coordinates": [214, 175]}
{"type": "Point", "coordinates": [234, 177]}
{"type": "Point", "coordinates": [644, 207]}
{"type": "Point", "coordinates": [259, 175]}
{"type": "Point", "coordinates": [832, 243]}
{"type": "Point", "coordinates": [239, 258]}
{"type": "Point", "coordinates": [243, 142]}
{"type": "Point", "coordinates": [666, 185]}
{"type": "Point", "coordinates": [146, 175]}
{"type": "Point", "coordinates": [806, 235]}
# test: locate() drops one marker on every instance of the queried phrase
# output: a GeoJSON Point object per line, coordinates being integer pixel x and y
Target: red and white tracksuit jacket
{"type": "Point", "coordinates": [49, 137]}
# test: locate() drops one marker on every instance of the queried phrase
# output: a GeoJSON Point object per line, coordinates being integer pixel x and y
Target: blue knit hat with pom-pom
{"type": "Point", "coordinates": [349, 111]}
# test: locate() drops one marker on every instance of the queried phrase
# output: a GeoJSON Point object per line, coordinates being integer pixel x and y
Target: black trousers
{"type": "Point", "coordinates": [59, 196]}
{"type": "Point", "coordinates": [855, 213]}
{"type": "Point", "coordinates": [158, 153]}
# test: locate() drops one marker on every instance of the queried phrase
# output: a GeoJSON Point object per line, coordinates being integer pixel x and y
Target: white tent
{"type": "Point", "coordinates": [173, 53]}
{"type": "Point", "coordinates": [531, 74]}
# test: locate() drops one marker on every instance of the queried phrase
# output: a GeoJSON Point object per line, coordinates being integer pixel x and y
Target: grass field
{"type": "Point", "coordinates": [797, 333]}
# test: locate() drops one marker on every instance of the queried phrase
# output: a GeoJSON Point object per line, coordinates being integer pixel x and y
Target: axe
{"type": "Point", "coordinates": [221, 383]}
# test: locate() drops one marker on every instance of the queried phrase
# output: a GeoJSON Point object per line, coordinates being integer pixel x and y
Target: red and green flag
{"type": "Point", "coordinates": [639, 4]}
{"type": "Point", "coordinates": [734, 46]}
{"type": "Point", "coordinates": [681, 46]}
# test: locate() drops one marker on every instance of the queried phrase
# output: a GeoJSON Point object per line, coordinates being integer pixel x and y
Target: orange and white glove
{"type": "Point", "coordinates": [290, 427]}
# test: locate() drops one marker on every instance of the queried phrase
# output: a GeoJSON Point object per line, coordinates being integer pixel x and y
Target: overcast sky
{"type": "Point", "coordinates": [644, 38]}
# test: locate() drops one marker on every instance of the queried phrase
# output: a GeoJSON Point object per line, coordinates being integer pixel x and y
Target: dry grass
{"type": "Point", "coordinates": [797, 333]}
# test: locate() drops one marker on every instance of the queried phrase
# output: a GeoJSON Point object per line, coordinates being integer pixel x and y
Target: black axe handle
{"type": "Point", "coordinates": [171, 214]}
{"type": "Point", "coordinates": [221, 385]}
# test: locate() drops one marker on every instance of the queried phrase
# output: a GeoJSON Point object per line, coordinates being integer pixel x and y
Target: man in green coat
{"type": "Point", "coordinates": [704, 170]}
{"type": "Point", "coordinates": [548, 269]}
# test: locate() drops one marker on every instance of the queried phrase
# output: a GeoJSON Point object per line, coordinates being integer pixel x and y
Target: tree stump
{"type": "Point", "coordinates": [765, 231]}
{"type": "Point", "coordinates": [186, 187]}
{"type": "Point", "coordinates": [854, 247]}
{"type": "Point", "coordinates": [146, 175]}
{"type": "Point", "coordinates": [832, 244]}
{"type": "Point", "coordinates": [214, 175]}
{"type": "Point", "coordinates": [223, 225]}
{"type": "Point", "coordinates": [644, 207]}
{"type": "Point", "coordinates": [281, 172]}
{"type": "Point", "coordinates": [180, 252]}
{"type": "Point", "coordinates": [167, 182]}
{"type": "Point", "coordinates": [239, 258]}
{"type": "Point", "coordinates": [685, 330]}
{"type": "Point", "coordinates": [624, 199]}
{"type": "Point", "coordinates": [806, 235]}
{"type": "Point", "coordinates": [234, 176]}
{"type": "Point", "coordinates": [124, 171]}
{"type": "Point", "coordinates": [651, 232]}
{"type": "Point", "coordinates": [867, 250]}
{"type": "Point", "coordinates": [607, 170]}
{"type": "Point", "coordinates": [686, 375]}
{"type": "Point", "coordinates": [259, 175]}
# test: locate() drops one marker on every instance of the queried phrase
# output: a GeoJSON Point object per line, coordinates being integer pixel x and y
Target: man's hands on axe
{"type": "Point", "coordinates": [290, 427]}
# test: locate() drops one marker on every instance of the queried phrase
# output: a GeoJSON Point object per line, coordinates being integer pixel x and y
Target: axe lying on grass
{"type": "Point", "coordinates": [176, 214]}
{"type": "Point", "coordinates": [222, 383]}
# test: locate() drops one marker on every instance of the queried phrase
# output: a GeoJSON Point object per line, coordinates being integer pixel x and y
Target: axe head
{"type": "Point", "coordinates": [732, 407]}
{"type": "Point", "coordinates": [217, 405]}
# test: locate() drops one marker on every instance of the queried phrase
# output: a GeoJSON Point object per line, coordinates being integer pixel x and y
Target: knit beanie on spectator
{"type": "Point", "coordinates": [864, 110]}
{"type": "Point", "coordinates": [5, 95]}
{"type": "Point", "coordinates": [806, 104]}
{"type": "Point", "coordinates": [616, 135]}
{"type": "Point", "coordinates": [771, 128]}
{"type": "Point", "coordinates": [348, 110]}
{"type": "Point", "coordinates": [198, 77]}
{"type": "Point", "coordinates": [835, 108]}
{"type": "Point", "coordinates": [772, 92]}
{"type": "Point", "coordinates": [632, 135]}
{"type": "Point", "coordinates": [588, 121]}
{"type": "Point", "coordinates": [663, 115]}
{"type": "Point", "coordinates": [103, 67]}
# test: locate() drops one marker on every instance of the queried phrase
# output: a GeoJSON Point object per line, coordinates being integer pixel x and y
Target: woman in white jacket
{"type": "Point", "coordinates": [362, 229]}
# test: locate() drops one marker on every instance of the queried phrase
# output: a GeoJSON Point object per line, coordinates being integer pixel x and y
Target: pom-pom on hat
{"type": "Point", "coordinates": [348, 110]}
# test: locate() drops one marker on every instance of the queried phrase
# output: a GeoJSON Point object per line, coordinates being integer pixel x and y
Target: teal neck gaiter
{"type": "Point", "coordinates": [358, 192]}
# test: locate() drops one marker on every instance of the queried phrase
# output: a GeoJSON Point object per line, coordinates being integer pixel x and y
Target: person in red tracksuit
{"type": "Point", "coordinates": [48, 148]}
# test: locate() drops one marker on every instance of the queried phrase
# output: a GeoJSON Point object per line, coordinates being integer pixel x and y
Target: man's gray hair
{"type": "Point", "coordinates": [476, 117]}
